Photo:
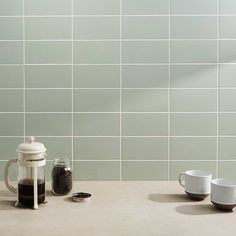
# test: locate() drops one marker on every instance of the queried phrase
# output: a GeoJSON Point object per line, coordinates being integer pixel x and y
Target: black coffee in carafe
{"type": "Point", "coordinates": [26, 192]}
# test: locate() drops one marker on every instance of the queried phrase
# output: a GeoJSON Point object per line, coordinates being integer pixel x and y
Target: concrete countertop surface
{"type": "Point", "coordinates": [117, 208]}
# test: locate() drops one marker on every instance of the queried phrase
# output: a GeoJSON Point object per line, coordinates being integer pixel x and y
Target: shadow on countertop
{"type": "Point", "coordinates": [7, 205]}
{"type": "Point", "coordinates": [200, 209]}
{"type": "Point", "coordinates": [7, 202]}
{"type": "Point", "coordinates": [169, 197]}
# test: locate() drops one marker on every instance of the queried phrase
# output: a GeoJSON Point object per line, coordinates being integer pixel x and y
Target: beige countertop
{"type": "Point", "coordinates": [117, 208]}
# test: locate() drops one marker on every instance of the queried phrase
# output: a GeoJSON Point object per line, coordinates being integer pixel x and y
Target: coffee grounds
{"type": "Point", "coordinates": [61, 180]}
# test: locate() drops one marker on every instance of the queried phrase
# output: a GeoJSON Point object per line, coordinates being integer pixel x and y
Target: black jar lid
{"type": "Point", "coordinates": [81, 197]}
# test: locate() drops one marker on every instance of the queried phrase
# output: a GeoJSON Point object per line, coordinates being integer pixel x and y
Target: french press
{"type": "Point", "coordinates": [31, 177]}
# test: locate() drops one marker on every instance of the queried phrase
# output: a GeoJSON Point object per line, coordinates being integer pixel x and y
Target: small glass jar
{"type": "Point", "coordinates": [61, 177]}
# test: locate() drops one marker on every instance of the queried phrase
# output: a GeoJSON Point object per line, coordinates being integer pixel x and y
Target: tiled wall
{"type": "Point", "coordinates": [128, 89]}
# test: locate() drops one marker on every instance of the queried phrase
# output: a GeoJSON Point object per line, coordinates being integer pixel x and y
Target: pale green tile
{"type": "Point", "coordinates": [11, 124]}
{"type": "Point", "coordinates": [11, 52]}
{"type": "Point", "coordinates": [227, 169]}
{"type": "Point", "coordinates": [227, 7]}
{"type": "Point", "coordinates": [227, 150]}
{"type": "Point", "coordinates": [48, 52]}
{"type": "Point", "coordinates": [193, 148]}
{"type": "Point", "coordinates": [193, 51]}
{"type": "Point", "coordinates": [102, 52]}
{"type": "Point", "coordinates": [12, 172]}
{"type": "Point", "coordinates": [145, 52]}
{"type": "Point", "coordinates": [145, 27]}
{"type": "Point", "coordinates": [144, 171]}
{"type": "Point", "coordinates": [192, 100]}
{"type": "Point", "coordinates": [227, 124]}
{"type": "Point", "coordinates": [101, 100]}
{"type": "Point", "coordinates": [227, 75]}
{"type": "Point", "coordinates": [48, 7]}
{"type": "Point", "coordinates": [94, 7]}
{"type": "Point", "coordinates": [178, 167]}
{"type": "Point", "coordinates": [93, 76]}
{"type": "Point", "coordinates": [227, 24]}
{"type": "Point", "coordinates": [144, 124]}
{"type": "Point", "coordinates": [193, 76]}
{"type": "Point", "coordinates": [11, 7]}
{"type": "Point", "coordinates": [141, 100]}
{"type": "Point", "coordinates": [38, 28]}
{"type": "Point", "coordinates": [99, 124]}
{"type": "Point", "coordinates": [96, 171]}
{"type": "Point", "coordinates": [97, 28]}
{"type": "Point", "coordinates": [193, 27]}
{"type": "Point", "coordinates": [144, 148]}
{"type": "Point", "coordinates": [42, 124]}
{"type": "Point", "coordinates": [2, 168]}
{"type": "Point", "coordinates": [8, 147]}
{"type": "Point", "coordinates": [48, 100]}
{"type": "Point", "coordinates": [227, 100]}
{"type": "Point", "coordinates": [11, 28]}
{"type": "Point", "coordinates": [198, 7]}
{"type": "Point", "coordinates": [48, 76]}
{"type": "Point", "coordinates": [57, 147]}
{"type": "Point", "coordinates": [199, 124]}
{"type": "Point", "coordinates": [145, 76]}
{"type": "Point", "coordinates": [227, 51]}
{"type": "Point", "coordinates": [11, 76]}
{"type": "Point", "coordinates": [11, 101]}
{"type": "Point", "coordinates": [145, 7]}
{"type": "Point", "coordinates": [96, 148]}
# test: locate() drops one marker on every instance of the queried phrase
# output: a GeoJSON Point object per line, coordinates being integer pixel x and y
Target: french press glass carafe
{"type": "Point", "coordinates": [31, 177]}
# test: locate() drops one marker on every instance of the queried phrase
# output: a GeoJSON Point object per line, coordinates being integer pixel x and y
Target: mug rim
{"type": "Point", "coordinates": [205, 173]}
{"type": "Point", "coordinates": [217, 182]}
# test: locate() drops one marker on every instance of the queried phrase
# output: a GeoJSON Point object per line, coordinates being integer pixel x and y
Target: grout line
{"type": "Point", "coordinates": [116, 15]}
{"type": "Point", "coordinates": [133, 160]}
{"type": "Point", "coordinates": [72, 83]}
{"type": "Point", "coordinates": [126, 64]}
{"type": "Point", "coordinates": [124, 136]}
{"type": "Point", "coordinates": [154, 88]}
{"type": "Point", "coordinates": [24, 75]}
{"type": "Point", "coordinates": [117, 112]}
{"type": "Point", "coordinates": [148, 160]}
{"type": "Point", "coordinates": [217, 82]}
{"type": "Point", "coordinates": [117, 40]}
{"type": "Point", "coordinates": [169, 95]}
{"type": "Point", "coordinates": [120, 71]}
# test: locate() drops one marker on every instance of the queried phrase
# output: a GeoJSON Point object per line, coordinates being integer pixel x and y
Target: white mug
{"type": "Point", "coordinates": [197, 183]}
{"type": "Point", "coordinates": [223, 193]}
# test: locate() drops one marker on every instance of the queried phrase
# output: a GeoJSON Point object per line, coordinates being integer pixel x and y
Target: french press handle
{"type": "Point", "coordinates": [6, 175]}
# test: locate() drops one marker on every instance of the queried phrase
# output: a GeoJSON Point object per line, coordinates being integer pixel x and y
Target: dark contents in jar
{"type": "Point", "coordinates": [61, 180]}
{"type": "Point", "coordinates": [26, 192]}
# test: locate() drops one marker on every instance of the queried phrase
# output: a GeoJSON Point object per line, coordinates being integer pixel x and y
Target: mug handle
{"type": "Point", "coordinates": [6, 176]}
{"type": "Point", "coordinates": [181, 182]}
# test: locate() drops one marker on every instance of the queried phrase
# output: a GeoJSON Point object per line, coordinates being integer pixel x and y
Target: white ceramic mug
{"type": "Point", "coordinates": [223, 193]}
{"type": "Point", "coordinates": [197, 183]}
